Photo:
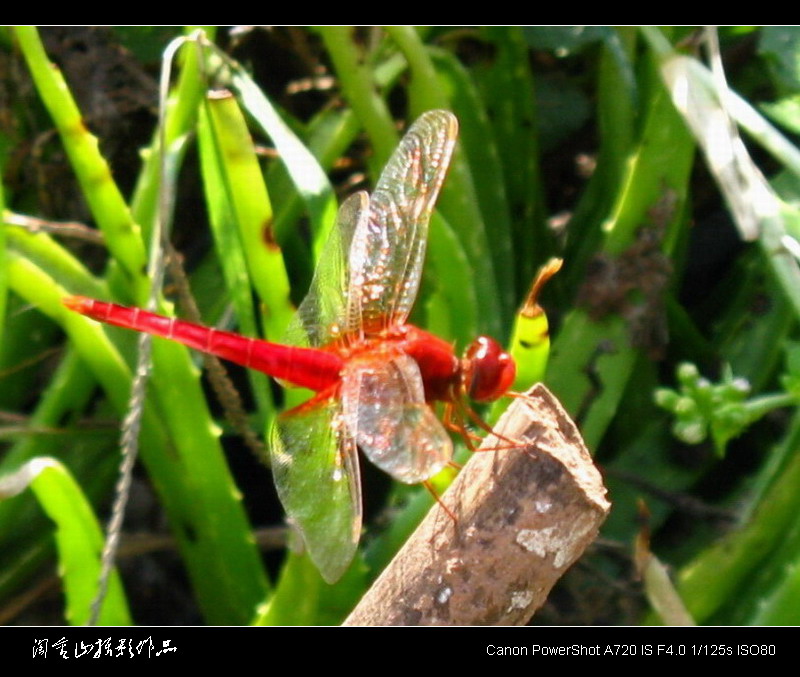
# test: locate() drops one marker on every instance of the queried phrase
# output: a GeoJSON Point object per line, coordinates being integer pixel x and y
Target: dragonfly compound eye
{"type": "Point", "coordinates": [489, 370]}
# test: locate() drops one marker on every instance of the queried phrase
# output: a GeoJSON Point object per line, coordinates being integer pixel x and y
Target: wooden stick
{"type": "Point", "coordinates": [525, 515]}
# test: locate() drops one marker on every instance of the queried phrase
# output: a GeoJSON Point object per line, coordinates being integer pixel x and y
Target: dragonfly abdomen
{"type": "Point", "coordinates": [304, 367]}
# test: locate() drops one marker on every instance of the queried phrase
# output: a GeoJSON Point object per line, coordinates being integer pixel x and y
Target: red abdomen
{"type": "Point", "coordinates": [304, 367]}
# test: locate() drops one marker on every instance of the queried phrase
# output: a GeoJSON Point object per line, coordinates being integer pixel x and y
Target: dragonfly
{"type": "Point", "coordinates": [376, 377]}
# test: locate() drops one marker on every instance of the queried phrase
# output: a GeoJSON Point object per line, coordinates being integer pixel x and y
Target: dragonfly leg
{"type": "Point", "coordinates": [455, 423]}
{"type": "Point", "coordinates": [427, 484]}
{"type": "Point", "coordinates": [466, 411]}
{"type": "Point", "coordinates": [312, 402]}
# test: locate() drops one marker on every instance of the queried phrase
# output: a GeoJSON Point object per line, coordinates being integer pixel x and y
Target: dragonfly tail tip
{"type": "Point", "coordinates": [77, 303]}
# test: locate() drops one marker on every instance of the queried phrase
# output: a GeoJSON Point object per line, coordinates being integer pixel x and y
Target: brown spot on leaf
{"type": "Point", "coordinates": [268, 235]}
{"type": "Point", "coordinates": [632, 284]}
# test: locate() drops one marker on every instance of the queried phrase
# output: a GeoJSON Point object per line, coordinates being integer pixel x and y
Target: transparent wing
{"type": "Point", "coordinates": [384, 409]}
{"type": "Point", "coordinates": [315, 466]}
{"type": "Point", "coordinates": [387, 251]}
{"type": "Point", "coordinates": [321, 315]}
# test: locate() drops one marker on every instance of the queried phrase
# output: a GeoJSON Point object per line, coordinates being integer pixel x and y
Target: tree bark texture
{"type": "Point", "coordinates": [526, 505]}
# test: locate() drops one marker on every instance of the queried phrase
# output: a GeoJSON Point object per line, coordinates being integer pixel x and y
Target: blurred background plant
{"type": "Point", "coordinates": [577, 142]}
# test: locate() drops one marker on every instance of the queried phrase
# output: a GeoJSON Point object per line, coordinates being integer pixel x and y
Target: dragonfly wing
{"type": "Point", "coordinates": [315, 466]}
{"type": "Point", "coordinates": [388, 248]}
{"type": "Point", "coordinates": [321, 315]}
{"type": "Point", "coordinates": [384, 408]}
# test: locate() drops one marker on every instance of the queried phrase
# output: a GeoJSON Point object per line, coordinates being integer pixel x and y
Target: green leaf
{"type": "Point", "coordinates": [780, 46]}
{"type": "Point", "coordinates": [78, 536]}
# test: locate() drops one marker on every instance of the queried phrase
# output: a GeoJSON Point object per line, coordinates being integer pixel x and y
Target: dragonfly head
{"type": "Point", "coordinates": [488, 370]}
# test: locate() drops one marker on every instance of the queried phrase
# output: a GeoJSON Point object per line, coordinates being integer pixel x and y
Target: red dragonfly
{"type": "Point", "coordinates": [374, 375]}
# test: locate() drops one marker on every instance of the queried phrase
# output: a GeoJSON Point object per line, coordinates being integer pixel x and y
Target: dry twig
{"type": "Point", "coordinates": [524, 515]}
